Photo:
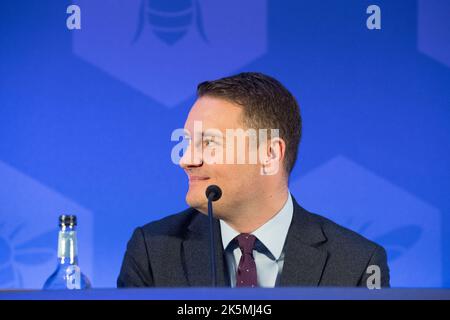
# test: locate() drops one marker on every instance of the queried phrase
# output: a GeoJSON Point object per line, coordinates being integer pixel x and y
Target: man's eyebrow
{"type": "Point", "coordinates": [212, 133]}
{"type": "Point", "coordinates": [187, 135]}
{"type": "Point", "coordinates": [208, 134]}
{"type": "Point", "coordinates": [203, 134]}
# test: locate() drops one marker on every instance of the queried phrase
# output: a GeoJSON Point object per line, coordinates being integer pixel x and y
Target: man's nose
{"type": "Point", "coordinates": [192, 157]}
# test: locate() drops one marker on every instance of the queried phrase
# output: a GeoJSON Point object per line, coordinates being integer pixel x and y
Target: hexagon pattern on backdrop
{"type": "Point", "coordinates": [29, 230]}
{"type": "Point", "coordinates": [434, 29]}
{"type": "Point", "coordinates": [165, 48]}
{"type": "Point", "coordinates": [352, 196]}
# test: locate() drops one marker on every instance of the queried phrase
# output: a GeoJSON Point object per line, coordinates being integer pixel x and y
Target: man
{"type": "Point", "coordinates": [263, 236]}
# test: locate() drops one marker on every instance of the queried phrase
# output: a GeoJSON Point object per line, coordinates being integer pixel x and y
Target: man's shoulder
{"type": "Point", "coordinates": [348, 253]}
{"type": "Point", "coordinates": [342, 238]}
{"type": "Point", "coordinates": [171, 225]}
{"type": "Point", "coordinates": [337, 236]}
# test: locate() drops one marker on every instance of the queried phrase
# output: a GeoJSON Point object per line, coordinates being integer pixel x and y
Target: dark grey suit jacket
{"type": "Point", "coordinates": [174, 252]}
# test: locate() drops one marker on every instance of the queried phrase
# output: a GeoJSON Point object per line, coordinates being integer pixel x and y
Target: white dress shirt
{"type": "Point", "coordinates": [268, 251]}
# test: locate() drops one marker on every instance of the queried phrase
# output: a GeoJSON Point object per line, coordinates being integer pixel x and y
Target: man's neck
{"type": "Point", "coordinates": [253, 214]}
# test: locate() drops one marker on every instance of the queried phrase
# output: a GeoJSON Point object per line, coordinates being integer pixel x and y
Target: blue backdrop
{"type": "Point", "coordinates": [86, 117]}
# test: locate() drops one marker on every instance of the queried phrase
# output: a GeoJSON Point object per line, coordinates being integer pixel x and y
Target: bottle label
{"type": "Point", "coordinates": [73, 277]}
{"type": "Point", "coordinates": [67, 245]}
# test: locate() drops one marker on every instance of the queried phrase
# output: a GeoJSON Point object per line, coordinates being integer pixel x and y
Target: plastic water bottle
{"type": "Point", "coordinates": [67, 274]}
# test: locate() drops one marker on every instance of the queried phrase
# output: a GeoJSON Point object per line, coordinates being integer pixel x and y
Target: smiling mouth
{"type": "Point", "coordinates": [197, 179]}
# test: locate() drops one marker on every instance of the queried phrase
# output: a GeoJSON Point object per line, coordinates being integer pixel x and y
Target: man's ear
{"type": "Point", "coordinates": [273, 157]}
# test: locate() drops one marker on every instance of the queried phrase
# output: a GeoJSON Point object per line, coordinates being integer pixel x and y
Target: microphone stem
{"type": "Point", "coordinates": [212, 242]}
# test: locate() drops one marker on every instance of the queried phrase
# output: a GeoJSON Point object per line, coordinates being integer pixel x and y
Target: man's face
{"type": "Point", "coordinates": [239, 182]}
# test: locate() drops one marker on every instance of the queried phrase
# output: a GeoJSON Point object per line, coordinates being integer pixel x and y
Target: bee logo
{"type": "Point", "coordinates": [170, 20]}
{"type": "Point", "coordinates": [33, 252]}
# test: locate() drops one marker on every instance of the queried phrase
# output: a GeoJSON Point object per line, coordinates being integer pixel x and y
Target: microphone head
{"type": "Point", "coordinates": [213, 192]}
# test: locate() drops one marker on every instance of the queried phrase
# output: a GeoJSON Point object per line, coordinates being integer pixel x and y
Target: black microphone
{"type": "Point", "coordinates": [213, 193]}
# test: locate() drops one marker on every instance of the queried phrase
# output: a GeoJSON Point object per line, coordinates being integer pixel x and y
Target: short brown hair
{"type": "Point", "coordinates": [266, 103]}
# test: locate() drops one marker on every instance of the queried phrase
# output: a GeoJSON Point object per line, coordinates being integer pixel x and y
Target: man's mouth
{"type": "Point", "coordinates": [197, 179]}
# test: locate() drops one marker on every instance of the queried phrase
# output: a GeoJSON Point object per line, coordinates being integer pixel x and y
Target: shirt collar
{"type": "Point", "coordinates": [272, 234]}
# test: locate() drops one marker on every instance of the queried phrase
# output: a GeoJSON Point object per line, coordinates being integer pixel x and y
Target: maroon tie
{"type": "Point", "coordinates": [246, 273]}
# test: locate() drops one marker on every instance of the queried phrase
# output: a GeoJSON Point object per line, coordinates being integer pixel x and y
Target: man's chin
{"type": "Point", "coordinates": [197, 202]}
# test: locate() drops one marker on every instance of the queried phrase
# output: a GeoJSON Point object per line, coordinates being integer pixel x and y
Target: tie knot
{"type": "Point", "coordinates": [246, 242]}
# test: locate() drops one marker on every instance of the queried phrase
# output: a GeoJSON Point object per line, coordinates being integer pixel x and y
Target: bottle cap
{"type": "Point", "coordinates": [67, 220]}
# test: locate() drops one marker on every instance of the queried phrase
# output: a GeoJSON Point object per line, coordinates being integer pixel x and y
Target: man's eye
{"type": "Point", "coordinates": [208, 142]}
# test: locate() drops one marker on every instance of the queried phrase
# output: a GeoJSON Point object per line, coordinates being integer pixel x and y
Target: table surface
{"type": "Point", "coordinates": [287, 293]}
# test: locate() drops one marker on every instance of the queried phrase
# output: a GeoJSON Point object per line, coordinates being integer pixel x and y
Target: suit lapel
{"type": "Point", "coordinates": [303, 261]}
{"type": "Point", "coordinates": [196, 254]}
